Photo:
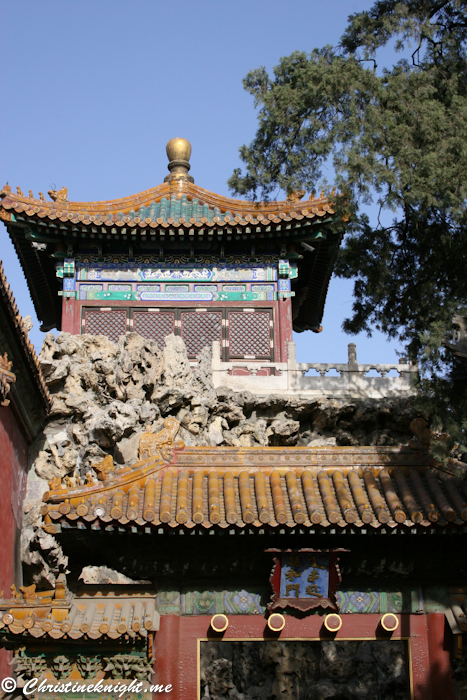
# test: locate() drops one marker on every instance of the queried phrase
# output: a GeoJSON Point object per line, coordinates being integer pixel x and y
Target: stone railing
{"type": "Point", "coordinates": [290, 378]}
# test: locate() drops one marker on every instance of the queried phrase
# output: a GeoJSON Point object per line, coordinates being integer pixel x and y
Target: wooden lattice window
{"type": "Point", "coordinates": [111, 323]}
{"type": "Point", "coordinates": [199, 329]}
{"type": "Point", "coordinates": [154, 325]}
{"type": "Point", "coordinates": [249, 334]}
{"type": "Point", "coordinates": [242, 333]}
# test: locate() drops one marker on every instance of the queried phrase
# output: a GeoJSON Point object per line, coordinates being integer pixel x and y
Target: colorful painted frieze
{"type": "Point", "coordinates": [174, 296]}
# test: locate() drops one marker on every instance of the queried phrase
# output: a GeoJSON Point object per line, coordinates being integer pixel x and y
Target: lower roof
{"type": "Point", "coordinates": [83, 617]}
{"type": "Point", "coordinates": [275, 488]}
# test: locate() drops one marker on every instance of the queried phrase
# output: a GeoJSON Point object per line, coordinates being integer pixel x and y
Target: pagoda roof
{"type": "Point", "coordinates": [178, 203]}
{"type": "Point", "coordinates": [264, 487]}
{"type": "Point", "coordinates": [176, 215]}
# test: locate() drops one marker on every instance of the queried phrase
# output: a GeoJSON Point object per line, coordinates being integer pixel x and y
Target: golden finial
{"type": "Point", "coordinates": [178, 153]}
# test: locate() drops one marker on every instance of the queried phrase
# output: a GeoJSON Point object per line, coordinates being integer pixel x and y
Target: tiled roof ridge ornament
{"type": "Point", "coordinates": [105, 467]}
{"type": "Point", "coordinates": [59, 196]}
{"type": "Point", "coordinates": [5, 363]}
{"type": "Point", "coordinates": [422, 434]}
{"type": "Point", "coordinates": [160, 445]}
{"type": "Point", "coordinates": [178, 153]}
{"type": "Point", "coordinates": [7, 378]}
{"type": "Point", "coordinates": [26, 596]}
{"type": "Point", "coordinates": [295, 196]}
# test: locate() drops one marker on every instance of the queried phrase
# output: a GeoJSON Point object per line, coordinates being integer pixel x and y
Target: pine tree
{"type": "Point", "coordinates": [396, 136]}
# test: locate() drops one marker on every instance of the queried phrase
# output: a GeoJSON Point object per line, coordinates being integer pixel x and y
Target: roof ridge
{"type": "Point", "coordinates": [246, 210]}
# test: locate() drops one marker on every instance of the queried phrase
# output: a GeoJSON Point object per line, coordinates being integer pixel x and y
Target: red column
{"type": "Point", "coordinates": [70, 316]}
{"type": "Point", "coordinates": [443, 685]}
{"type": "Point", "coordinates": [167, 668]}
{"type": "Point", "coordinates": [285, 335]}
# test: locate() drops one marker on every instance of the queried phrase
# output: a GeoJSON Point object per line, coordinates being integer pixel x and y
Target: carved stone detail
{"type": "Point", "coordinates": [88, 666]}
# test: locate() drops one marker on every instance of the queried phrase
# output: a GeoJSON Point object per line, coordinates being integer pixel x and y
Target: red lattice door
{"type": "Point", "coordinates": [154, 325]}
{"type": "Point", "coordinates": [250, 334]}
{"type": "Point", "coordinates": [109, 323]}
{"type": "Point", "coordinates": [200, 329]}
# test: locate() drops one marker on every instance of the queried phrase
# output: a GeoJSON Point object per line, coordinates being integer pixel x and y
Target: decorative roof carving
{"type": "Point", "coordinates": [296, 196]}
{"type": "Point", "coordinates": [160, 445]}
{"type": "Point", "coordinates": [156, 450]}
{"type": "Point", "coordinates": [105, 468]}
{"type": "Point", "coordinates": [7, 378]}
{"type": "Point", "coordinates": [178, 153]}
{"type": "Point", "coordinates": [60, 196]}
{"type": "Point", "coordinates": [5, 364]}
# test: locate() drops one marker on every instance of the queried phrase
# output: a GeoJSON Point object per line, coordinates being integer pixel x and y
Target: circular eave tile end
{"type": "Point", "coordinates": [389, 622]}
{"type": "Point", "coordinates": [276, 622]}
{"type": "Point", "coordinates": [219, 623]}
{"type": "Point", "coordinates": [333, 622]}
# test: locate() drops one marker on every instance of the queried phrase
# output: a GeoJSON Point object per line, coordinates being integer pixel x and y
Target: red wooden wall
{"type": "Point", "coordinates": [13, 475]}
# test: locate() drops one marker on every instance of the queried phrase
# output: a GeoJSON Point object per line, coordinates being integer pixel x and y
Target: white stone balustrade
{"type": "Point", "coordinates": [290, 378]}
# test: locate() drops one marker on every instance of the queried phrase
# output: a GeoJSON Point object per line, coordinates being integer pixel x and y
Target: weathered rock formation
{"type": "Point", "coordinates": [105, 393]}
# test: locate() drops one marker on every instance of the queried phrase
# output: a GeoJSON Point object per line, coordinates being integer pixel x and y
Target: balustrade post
{"type": "Point", "coordinates": [292, 373]}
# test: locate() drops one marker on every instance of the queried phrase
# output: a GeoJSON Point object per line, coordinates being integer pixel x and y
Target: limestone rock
{"type": "Point", "coordinates": [46, 466]}
{"type": "Point", "coordinates": [219, 684]}
{"type": "Point", "coordinates": [177, 370]}
{"type": "Point", "coordinates": [248, 434]}
{"type": "Point", "coordinates": [126, 451]}
{"type": "Point", "coordinates": [322, 442]}
{"type": "Point", "coordinates": [104, 575]}
{"type": "Point", "coordinates": [216, 436]}
{"type": "Point", "coordinates": [201, 378]}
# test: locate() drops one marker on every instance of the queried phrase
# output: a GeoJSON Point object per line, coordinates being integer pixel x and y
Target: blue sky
{"type": "Point", "coordinates": [92, 92]}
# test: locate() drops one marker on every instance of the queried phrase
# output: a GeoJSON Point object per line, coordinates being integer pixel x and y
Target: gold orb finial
{"type": "Point", "coordinates": [178, 153]}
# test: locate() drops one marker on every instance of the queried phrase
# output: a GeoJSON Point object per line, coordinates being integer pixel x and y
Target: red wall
{"type": "Point", "coordinates": [13, 475]}
{"type": "Point", "coordinates": [176, 647]}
